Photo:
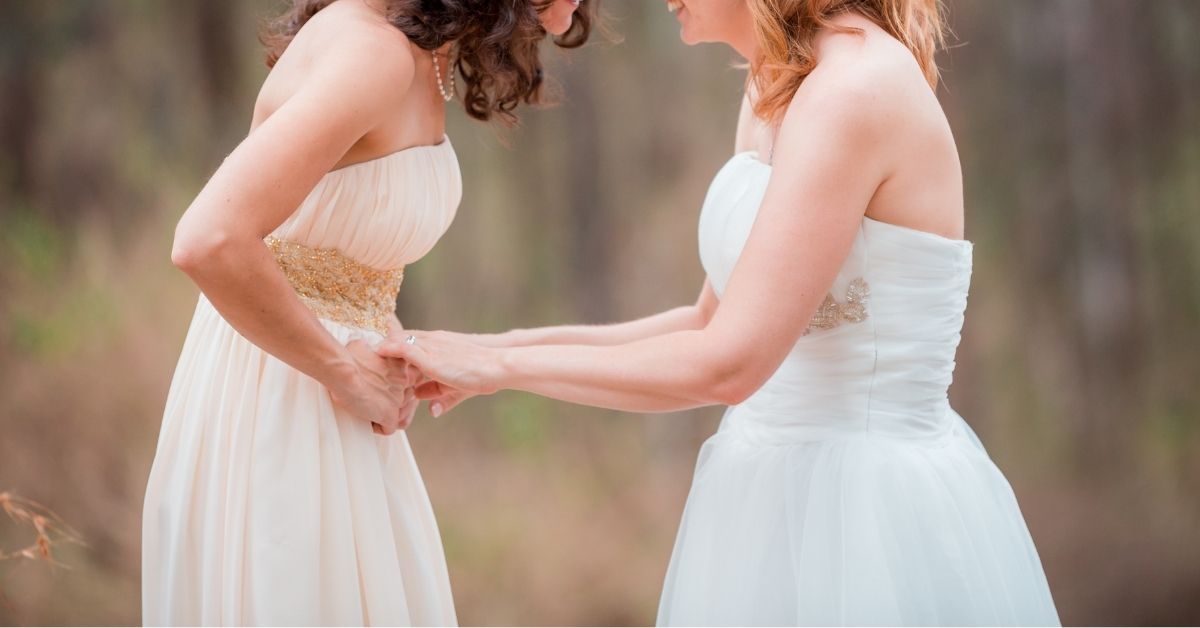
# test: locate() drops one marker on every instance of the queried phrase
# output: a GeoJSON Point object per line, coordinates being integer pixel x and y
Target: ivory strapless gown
{"type": "Point", "coordinates": [846, 490]}
{"type": "Point", "coordinates": [265, 503]}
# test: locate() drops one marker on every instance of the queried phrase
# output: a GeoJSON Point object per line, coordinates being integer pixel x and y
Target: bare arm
{"type": "Point", "coordinates": [694, 316]}
{"type": "Point", "coordinates": [828, 164]}
{"type": "Point", "coordinates": [352, 88]}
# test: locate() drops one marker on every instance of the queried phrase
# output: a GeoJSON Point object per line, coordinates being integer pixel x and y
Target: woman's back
{"type": "Point", "coordinates": [922, 188]}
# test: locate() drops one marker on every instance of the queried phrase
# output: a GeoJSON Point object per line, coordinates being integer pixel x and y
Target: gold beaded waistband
{"type": "Point", "coordinates": [336, 287]}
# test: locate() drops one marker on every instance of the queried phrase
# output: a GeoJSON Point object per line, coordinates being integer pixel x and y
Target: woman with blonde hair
{"type": "Point", "coordinates": [841, 487]}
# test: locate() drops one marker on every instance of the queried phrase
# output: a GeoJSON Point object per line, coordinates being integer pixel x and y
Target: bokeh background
{"type": "Point", "coordinates": [1079, 128]}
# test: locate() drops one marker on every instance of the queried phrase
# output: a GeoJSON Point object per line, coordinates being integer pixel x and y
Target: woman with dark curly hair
{"type": "Point", "coordinates": [283, 489]}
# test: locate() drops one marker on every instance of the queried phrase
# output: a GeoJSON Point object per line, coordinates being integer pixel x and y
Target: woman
{"type": "Point", "coordinates": [271, 499]}
{"type": "Point", "coordinates": [841, 488]}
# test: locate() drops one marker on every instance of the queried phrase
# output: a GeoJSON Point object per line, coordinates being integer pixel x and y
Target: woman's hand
{"type": "Point", "coordinates": [458, 367]}
{"type": "Point", "coordinates": [379, 390]}
{"type": "Point", "coordinates": [442, 398]}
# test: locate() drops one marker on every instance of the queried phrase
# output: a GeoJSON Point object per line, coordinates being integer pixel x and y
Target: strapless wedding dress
{"type": "Point", "coordinates": [266, 504]}
{"type": "Point", "coordinates": [847, 490]}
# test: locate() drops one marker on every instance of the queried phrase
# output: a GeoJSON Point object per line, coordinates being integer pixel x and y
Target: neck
{"type": "Point", "coordinates": [379, 6]}
{"type": "Point", "coordinates": [744, 42]}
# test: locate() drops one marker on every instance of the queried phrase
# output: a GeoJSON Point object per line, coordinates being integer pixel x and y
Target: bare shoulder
{"type": "Point", "coordinates": [347, 43]}
{"type": "Point", "coordinates": [868, 108]}
{"type": "Point", "coordinates": [843, 97]}
{"type": "Point", "coordinates": [862, 89]}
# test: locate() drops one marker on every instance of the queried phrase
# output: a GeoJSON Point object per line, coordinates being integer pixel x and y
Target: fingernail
{"type": "Point", "coordinates": [436, 409]}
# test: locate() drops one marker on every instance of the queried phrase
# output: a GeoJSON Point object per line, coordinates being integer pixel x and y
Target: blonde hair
{"type": "Point", "coordinates": [786, 31]}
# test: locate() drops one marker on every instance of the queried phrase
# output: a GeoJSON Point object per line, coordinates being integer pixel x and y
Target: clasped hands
{"type": "Point", "coordinates": [394, 377]}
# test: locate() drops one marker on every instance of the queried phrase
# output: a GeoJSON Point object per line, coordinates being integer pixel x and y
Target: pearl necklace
{"type": "Point", "coordinates": [437, 71]}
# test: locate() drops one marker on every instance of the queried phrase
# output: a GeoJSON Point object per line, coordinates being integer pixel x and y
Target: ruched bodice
{"type": "Point", "coordinates": [846, 491]}
{"type": "Point", "coordinates": [383, 213]}
{"type": "Point", "coordinates": [886, 369]}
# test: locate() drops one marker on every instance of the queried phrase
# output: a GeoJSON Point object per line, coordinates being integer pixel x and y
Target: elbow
{"type": "Point", "coordinates": [184, 255]}
{"type": "Point", "coordinates": [193, 250]}
{"type": "Point", "coordinates": [732, 378]}
{"type": "Point", "coordinates": [703, 312]}
{"type": "Point", "coordinates": [733, 391]}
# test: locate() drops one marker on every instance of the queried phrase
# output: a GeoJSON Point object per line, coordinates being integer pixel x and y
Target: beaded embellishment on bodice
{"type": "Point", "coordinates": [336, 287]}
{"type": "Point", "coordinates": [831, 313]}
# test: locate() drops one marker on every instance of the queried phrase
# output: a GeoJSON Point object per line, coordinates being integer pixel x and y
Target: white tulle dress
{"type": "Point", "coordinates": [846, 490]}
{"type": "Point", "coordinates": [266, 505]}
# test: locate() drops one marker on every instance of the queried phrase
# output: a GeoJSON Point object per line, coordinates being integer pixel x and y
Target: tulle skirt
{"type": "Point", "coordinates": [851, 529]}
{"type": "Point", "coordinates": [267, 505]}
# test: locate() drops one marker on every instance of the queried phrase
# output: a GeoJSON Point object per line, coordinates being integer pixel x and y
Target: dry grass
{"type": "Point", "coordinates": [48, 528]}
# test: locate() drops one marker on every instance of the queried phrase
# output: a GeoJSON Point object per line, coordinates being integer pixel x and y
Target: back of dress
{"type": "Point", "coordinates": [267, 504]}
{"type": "Point", "coordinates": [846, 490]}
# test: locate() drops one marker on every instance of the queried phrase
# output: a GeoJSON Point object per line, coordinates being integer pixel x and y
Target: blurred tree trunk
{"type": "Point", "coordinates": [21, 54]}
{"type": "Point", "coordinates": [1105, 154]}
{"type": "Point", "coordinates": [591, 264]}
{"type": "Point", "coordinates": [218, 54]}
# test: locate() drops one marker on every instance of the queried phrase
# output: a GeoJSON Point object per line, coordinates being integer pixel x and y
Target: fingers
{"type": "Point", "coordinates": [413, 359]}
{"type": "Point", "coordinates": [386, 395]}
{"type": "Point", "coordinates": [407, 412]}
{"type": "Point", "coordinates": [415, 375]}
{"type": "Point", "coordinates": [399, 372]}
{"type": "Point", "coordinates": [399, 347]}
{"type": "Point", "coordinates": [389, 427]}
{"type": "Point", "coordinates": [432, 390]}
{"type": "Point", "coordinates": [442, 398]}
{"type": "Point", "coordinates": [416, 357]}
{"type": "Point", "coordinates": [405, 372]}
{"type": "Point", "coordinates": [445, 403]}
{"type": "Point", "coordinates": [401, 415]}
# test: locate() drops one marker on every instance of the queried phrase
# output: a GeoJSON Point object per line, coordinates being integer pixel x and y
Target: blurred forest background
{"type": "Point", "coordinates": [1079, 126]}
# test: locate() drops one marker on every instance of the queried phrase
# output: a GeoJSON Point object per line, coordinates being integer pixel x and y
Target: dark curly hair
{"type": "Point", "coordinates": [495, 44]}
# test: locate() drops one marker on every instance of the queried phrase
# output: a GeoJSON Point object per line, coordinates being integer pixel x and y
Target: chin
{"type": "Point", "coordinates": [558, 17]}
{"type": "Point", "coordinates": [559, 28]}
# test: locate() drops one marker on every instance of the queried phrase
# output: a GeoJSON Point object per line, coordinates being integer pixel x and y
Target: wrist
{"type": "Point", "coordinates": [502, 370]}
{"type": "Point", "coordinates": [498, 340]}
{"type": "Point", "coordinates": [516, 338]}
{"type": "Point", "coordinates": [394, 327]}
{"type": "Point", "coordinates": [340, 372]}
